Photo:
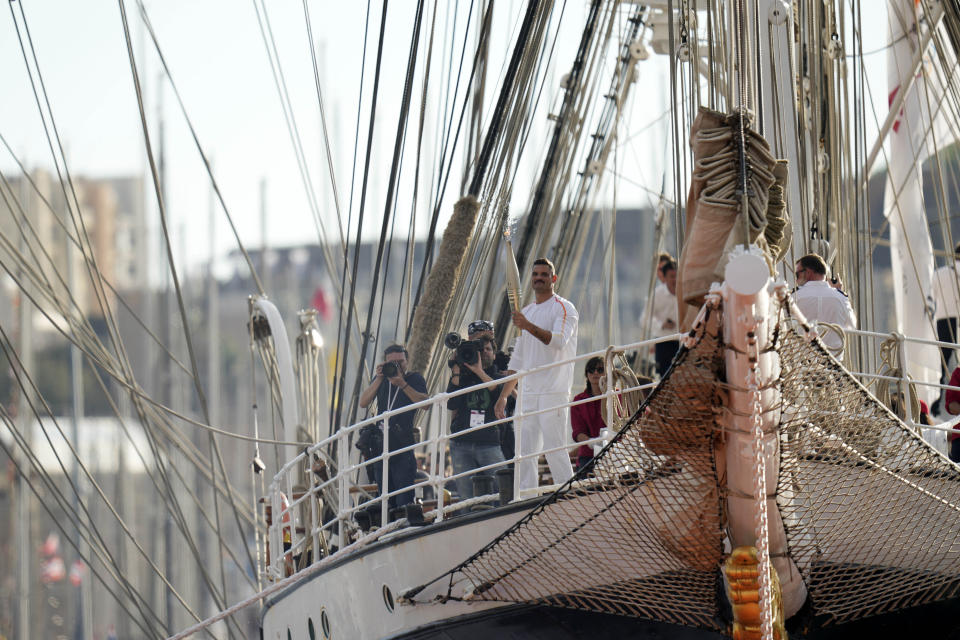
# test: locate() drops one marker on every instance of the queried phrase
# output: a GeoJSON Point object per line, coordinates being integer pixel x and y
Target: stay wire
{"type": "Point", "coordinates": [26, 221]}
{"type": "Point", "coordinates": [145, 19]}
{"type": "Point", "coordinates": [340, 367]}
{"type": "Point", "coordinates": [64, 177]}
{"type": "Point", "coordinates": [363, 199]}
{"type": "Point", "coordinates": [391, 185]}
{"type": "Point", "coordinates": [198, 387]}
{"type": "Point", "coordinates": [24, 477]}
{"type": "Point", "coordinates": [19, 374]}
{"type": "Point", "coordinates": [406, 282]}
{"type": "Point", "coordinates": [447, 153]}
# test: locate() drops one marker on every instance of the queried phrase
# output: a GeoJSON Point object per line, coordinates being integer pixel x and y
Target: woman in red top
{"type": "Point", "coordinates": [951, 400]}
{"type": "Point", "coordinates": [586, 419]}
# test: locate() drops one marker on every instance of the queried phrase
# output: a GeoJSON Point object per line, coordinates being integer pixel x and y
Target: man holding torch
{"type": "Point", "coordinates": [548, 334]}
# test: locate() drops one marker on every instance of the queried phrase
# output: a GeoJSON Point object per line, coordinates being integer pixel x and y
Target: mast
{"type": "Point", "coordinates": [23, 411]}
{"type": "Point", "coordinates": [264, 265]}
{"type": "Point", "coordinates": [84, 628]}
{"type": "Point", "coordinates": [166, 385]}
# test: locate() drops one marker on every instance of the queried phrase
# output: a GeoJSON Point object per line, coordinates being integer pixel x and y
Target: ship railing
{"type": "Point", "coordinates": [314, 529]}
{"type": "Point", "coordinates": [301, 526]}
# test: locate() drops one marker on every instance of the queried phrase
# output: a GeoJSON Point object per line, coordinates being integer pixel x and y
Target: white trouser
{"type": "Point", "coordinates": [543, 431]}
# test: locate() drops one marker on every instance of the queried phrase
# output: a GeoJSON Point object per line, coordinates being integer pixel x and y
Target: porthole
{"type": "Point", "coordinates": [311, 630]}
{"type": "Point", "coordinates": [388, 598]}
{"type": "Point", "coordinates": [325, 625]}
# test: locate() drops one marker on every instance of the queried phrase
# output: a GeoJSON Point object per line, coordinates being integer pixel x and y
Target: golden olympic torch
{"type": "Point", "coordinates": [513, 275]}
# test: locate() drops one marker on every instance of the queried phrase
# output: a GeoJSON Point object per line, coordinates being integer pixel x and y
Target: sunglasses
{"type": "Point", "coordinates": [595, 370]}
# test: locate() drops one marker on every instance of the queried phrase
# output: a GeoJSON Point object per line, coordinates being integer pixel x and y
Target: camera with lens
{"type": "Point", "coordinates": [466, 351]}
{"type": "Point", "coordinates": [389, 369]}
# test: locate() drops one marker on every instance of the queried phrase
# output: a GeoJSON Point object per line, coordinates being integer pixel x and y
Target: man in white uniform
{"type": "Point", "coordinates": [822, 302]}
{"type": "Point", "coordinates": [548, 334]}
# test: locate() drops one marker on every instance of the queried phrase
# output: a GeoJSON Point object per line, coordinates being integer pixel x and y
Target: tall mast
{"type": "Point", "coordinates": [77, 411]}
{"type": "Point", "coordinates": [23, 411]}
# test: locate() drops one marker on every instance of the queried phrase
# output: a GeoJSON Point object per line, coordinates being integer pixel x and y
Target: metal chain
{"type": "Point", "coordinates": [761, 528]}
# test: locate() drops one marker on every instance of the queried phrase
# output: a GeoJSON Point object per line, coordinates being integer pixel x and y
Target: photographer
{"type": "Point", "coordinates": [481, 447]}
{"type": "Point", "coordinates": [393, 387]}
{"type": "Point", "coordinates": [484, 329]}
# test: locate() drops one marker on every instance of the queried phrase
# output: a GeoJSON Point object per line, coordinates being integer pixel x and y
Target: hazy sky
{"type": "Point", "coordinates": [219, 62]}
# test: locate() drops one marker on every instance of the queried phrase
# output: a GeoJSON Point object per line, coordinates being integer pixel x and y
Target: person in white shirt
{"type": "Point", "coordinates": [664, 322]}
{"type": "Point", "coordinates": [548, 334]}
{"type": "Point", "coordinates": [946, 292]}
{"type": "Point", "coordinates": [822, 302]}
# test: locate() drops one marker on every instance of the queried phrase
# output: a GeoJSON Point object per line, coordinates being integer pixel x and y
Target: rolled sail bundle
{"type": "Point", "coordinates": [428, 318]}
{"type": "Point", "coordinates": [715, 200]}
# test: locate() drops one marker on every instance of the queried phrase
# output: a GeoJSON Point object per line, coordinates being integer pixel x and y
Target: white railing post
{"type": "Point", "coordinates": [293, 518]}
{"type": "Point", "coordinates": [904, 383]}
{"type": "Point", "coordinates": [385, 474]}
{"type": "Point", "coordinates": [608, 371]}
{"type": "Point", "coordinates": [441, 461]}
{"type": "Point", "coordinates": [313, 498]}
{"type": "Point", "coordinates": [434, 455]}
{"type": "Point", "coordinates": [275, 535]}
{"type": "Point", "coordinates": [343, 490]}
{"type": "Point", "coordinates": [517, 442]}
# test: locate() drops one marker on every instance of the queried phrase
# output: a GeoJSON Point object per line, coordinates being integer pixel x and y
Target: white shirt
{"type": "Point", "coordinates": [945, 292]}
{"type": "Point", "coordinates": [821, 302]}
{"type": "Point", "coordinates": [558, 316]}
{"type": "Point", "coordinates": [663, 308]}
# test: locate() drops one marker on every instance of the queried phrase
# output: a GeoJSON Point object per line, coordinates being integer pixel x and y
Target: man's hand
{"type": "Point", "coordinates": [475, 367]}
{"type": "Point", "coordinates": [500, 409]}
{"type": "Point", "coordinates": [398, 380]}
{"type": "Point", "coordinates": [520, 320]}
{"type": "Point", "coordinates": [379, 370]}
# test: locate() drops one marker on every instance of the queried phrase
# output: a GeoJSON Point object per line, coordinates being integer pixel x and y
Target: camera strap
{"type": "Point", "coordinates": [392, 394]}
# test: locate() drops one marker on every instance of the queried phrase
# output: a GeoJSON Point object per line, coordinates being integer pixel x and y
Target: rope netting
{"type": "Point", "coordinates": [642, 537]}
{"type": "Point", "coordinates": [870, 510]}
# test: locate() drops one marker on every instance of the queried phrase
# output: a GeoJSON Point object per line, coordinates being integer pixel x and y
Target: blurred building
{"type": "Point", "coordinates": [38, 212]}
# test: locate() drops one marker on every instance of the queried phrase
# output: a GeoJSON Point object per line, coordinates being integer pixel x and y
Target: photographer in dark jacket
{"type": "Point", "coordinates": [393, 387]}
{"type": "Point", "coordinates": [481, 447]}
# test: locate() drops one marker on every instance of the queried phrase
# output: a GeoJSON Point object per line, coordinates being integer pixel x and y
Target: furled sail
{"type": "Point", "coordinates": [911, 251]}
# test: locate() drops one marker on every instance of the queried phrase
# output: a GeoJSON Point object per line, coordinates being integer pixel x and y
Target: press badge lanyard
{"type": "Point", "coordinates": [391, 399]}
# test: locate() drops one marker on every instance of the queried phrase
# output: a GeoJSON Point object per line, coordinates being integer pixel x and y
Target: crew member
{"type": "Point", "coordinates": [822, 301]}
{"type": "Point", "coordinates": [548, 334]}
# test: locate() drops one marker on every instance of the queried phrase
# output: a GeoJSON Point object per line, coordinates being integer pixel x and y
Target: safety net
{"type": "Point", "coordinates": [869, 509]}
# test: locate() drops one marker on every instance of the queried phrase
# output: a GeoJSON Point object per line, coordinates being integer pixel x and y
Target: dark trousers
{"type": "Point", "coordinates": [946, 332]}
{"type": "Point", "coordinates": [955, 450]}
{"type": "Point", "coordinates": [403, 470]}
{"type": "Point", "coordinates": [664, 352]}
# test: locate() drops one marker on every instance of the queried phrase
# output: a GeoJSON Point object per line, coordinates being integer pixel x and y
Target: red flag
{"type": "Point", "coordinates": [320, 303]}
